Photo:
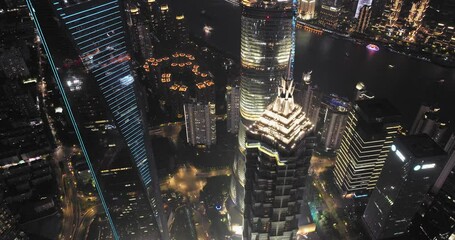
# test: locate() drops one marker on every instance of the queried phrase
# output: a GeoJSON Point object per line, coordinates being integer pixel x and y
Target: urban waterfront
{"type": "Point", "coordinates": [227, 119]}
{"type": "Point", "coordinates": [337, 64]}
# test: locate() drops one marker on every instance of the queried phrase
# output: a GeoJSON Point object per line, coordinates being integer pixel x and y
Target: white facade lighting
{"type": "Point", "coordinates": [400, 155]}
{"type": "Point", "coordinates": [429, 165]}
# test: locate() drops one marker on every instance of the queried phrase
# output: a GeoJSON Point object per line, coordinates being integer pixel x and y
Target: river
{"type": "Point", "coordinates": [337, 64]}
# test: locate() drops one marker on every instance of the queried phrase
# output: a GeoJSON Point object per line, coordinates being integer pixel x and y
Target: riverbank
{"type": "Point", "coordinates": [395, 48]}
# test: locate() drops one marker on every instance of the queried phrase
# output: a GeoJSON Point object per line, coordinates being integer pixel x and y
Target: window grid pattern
{"type": "Point", "coordinates": [99, 35]}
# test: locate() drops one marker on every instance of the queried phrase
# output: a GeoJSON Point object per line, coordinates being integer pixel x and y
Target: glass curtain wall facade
{"type": "Point", "coordinates": [266, 47]}
{"type": "Point", "coordinates": [267, 39]}
{"type": "Point", "coordinates": [96, 29]}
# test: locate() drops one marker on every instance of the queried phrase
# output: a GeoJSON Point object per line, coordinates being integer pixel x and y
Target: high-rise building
{"type": "Point", "coordinates": [181, 33]}
{"type": "Point", "coordinates": [307, 9]}
{"type": "Point", "coordinates": [332, 122]}
{"type": "Point", "coordinates": [267, 46]}
{"type": "Point", "coordinates": [402, 18]}
{"type": "Point", "coordinates": [233, 108]}
{"type": "Point", "coordinates": [363, 19]}
{"type": "Point", "coordinates": [416, 13]}
{"type": "Point", "coordinates": [437, 220]}
{"type": "Point", "coordinates": [360, 5]}
{"type": "Point", "coordinates": [371, 128]}
{"type": "Point", "coordinates": [419, 117]}
{"type": "Point", "coordinates": [139, 29]}
{"type": "Point", "coordinates": [164, 26]}
{"type": "Point", "coordinates": [311, 98]}
{"type": "Point", "coordinates": [391, 12]}
{"type": "Point", "coordinates": [96, 29]}
{"type": "Point", "coordinates": [329, 14]}
{"type": "Point", "coordinates": [427, 121]}
{"type": "Point", "coordinates": [278, 150]}
{"type": "Point", "coordinates": [266, 49]}
{"type": "Point", "coordinates": [411, 169]}
{"type": "Point", "coordinates": [200, 123]}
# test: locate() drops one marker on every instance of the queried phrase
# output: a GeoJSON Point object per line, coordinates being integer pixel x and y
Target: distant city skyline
{"type": "Point", "coordinates": [224, 119]}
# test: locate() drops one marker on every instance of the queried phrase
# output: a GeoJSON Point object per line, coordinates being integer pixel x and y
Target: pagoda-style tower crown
{"type": "Point", "coordinates": [284, 122]}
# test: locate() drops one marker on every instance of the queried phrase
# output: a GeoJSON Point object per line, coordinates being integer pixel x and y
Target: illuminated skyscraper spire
{"type": "Point", "coordinates": [278, 149]}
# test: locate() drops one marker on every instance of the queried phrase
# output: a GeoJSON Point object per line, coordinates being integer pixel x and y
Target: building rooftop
{"type": "Point", "coordinates": [377, 110]}
{"type": "Point", "coordinates": [422, 146]}
{"type": "Point", "coordinates": [284, 122]}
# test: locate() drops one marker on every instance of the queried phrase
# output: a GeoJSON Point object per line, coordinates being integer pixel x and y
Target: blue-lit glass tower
{"type": "Point", "coordinates": [97, 31]}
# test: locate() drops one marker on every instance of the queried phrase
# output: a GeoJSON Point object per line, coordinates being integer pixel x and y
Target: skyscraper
{"type": "Point", "coordinates": [267, 45]}
{"type": "Point", "coordinates": [329, 14]}
{"type": "Point", "coordinates": [233, 111]}
{"type": "Point", "coordinates": [307, 9]}
{"type": "Point", "coordinates": [364, 19]}
{"type": "Point", "coordinates": [200, 123]}
{"type": "Point", "coordinates": [411, 169]}
{"type": "Point", "coordinates": [266, 49]}
{"type": "Point", "coordinates": [360, 5]}
{"type": "Point", "coordinates": [427, 121]}
{"type": "Point", "coordinates": [332, 122]}
{"type": "Point", "coordinates": [371, 128]}
{"type": "Point", "coordinates": [311, 98]}
{"type": "Point", "coordinates": [278, 150]}
{"type": "Point", "coordinates": [96, 29]}
{"type": "Point", "coordinates": [437, 220]}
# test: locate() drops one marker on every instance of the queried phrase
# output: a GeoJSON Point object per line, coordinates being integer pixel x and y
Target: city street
{"type": "Point", "coordinates": [84, 223]}
{"type": "Point", "coordinates": [68, 191]}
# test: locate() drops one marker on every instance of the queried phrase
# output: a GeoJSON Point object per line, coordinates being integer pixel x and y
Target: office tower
{"type": "Point", "coordinates": [424, 108]}
{"type": "Point", "coordinates": [233, 108]}
{"type": "Point", "coordinates": [96, 29]}
{"type": "Point", "coordinates": [153, 11]}
{"type": "Point", "coordinates": [329, 14]}
{"type": "Point", "coordinates": [332, 122]}
{"type": "Point", "coordinates": [372, 126]}
{"type": "Point", "coordinates": [427, 121]}
{"type": "Point", "coordinates": [139, 30]}
{"type": "Point", "coordinates": [364, 19]}
{"type": "Point", "coordinates": [311, 98]}
{"type": "Point", "coordinates": [133, 20]}
{"type": "Point", "coordinates": [181, 33]}
{"type": "Point", "coordinates": [360, 5]}
{"type": "Point", "coordinates": [391, 12]}
{"type": "Point", "coordinates": [200, 123]}
{"type": "Point", "coordinates": [403, 18]}
{"type": "Point", "coordinates": [437, 220]}
{"type": "Point", "coordinates": [164, 26]}
{"type": "Point", "coordinates": [307, 9]}
{"type": "Point", "coordinates": [267, 46]}
{"type": "Point", "coordinates": [411, 169]}
{"type": "Point", "coordinates": [266, 49]}
{"type": "Point", "coordinates": [278, 151]}
{"type": "Point", "coordinates": [416, 13]}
